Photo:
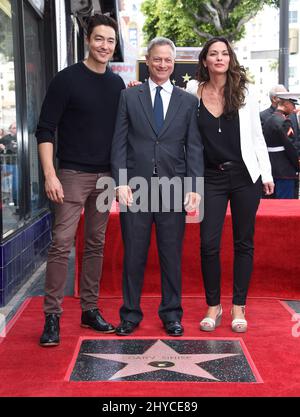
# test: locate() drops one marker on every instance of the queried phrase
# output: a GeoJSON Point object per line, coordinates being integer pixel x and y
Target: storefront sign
{"type": "Point", "coordinates": [126, 70]}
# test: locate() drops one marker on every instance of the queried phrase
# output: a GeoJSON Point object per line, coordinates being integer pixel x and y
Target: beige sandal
{"type": "Point", "coordinates": [239, 325]}
{"type": "Point", "coordinates": [208, 324]}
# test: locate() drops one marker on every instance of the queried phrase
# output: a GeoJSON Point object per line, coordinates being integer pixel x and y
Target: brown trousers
{"type": "Point", "coordinates": [79, 192]}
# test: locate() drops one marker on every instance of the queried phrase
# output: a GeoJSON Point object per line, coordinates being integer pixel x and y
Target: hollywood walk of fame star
{"type": "Point", "coordinates": [161, 356]}
{"type": "Point", "coordinates": [186, 77]}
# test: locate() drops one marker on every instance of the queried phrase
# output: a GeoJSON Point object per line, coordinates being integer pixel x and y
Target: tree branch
{"type": "Point", "coordinates": [203, 34]}
{"type": "Point", "coordinates": [232, 5]}
{"type": "Point", "coordinates": [245, 19]}
{"type": "Point", "coordinates": [227, 4]}
{"type": "Point", "coordinates": [214, 14]}
{"type": "Point", "coordinates": [202, 19]}
{"type": "Point", "coordinates": [219, 8]}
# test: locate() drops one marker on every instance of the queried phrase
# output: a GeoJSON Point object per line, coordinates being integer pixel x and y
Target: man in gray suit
{"type": "Point", "coordinates": [156, 136]}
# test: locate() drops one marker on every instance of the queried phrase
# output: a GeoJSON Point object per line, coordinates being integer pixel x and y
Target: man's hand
{"type": "Point", "coordinates": [124, 195]}
{"type": "Point", "coordinates": [54, 189]}
{"type": "Point", "coordinates": [192, 201]}
{"type": "Point", "coordinates": [268, 188]}
{"type": "Point", "coordinates": [134, 83]}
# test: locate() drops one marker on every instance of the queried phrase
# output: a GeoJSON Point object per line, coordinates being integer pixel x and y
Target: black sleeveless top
{"type": "Point", "coordinates": [221, 137]}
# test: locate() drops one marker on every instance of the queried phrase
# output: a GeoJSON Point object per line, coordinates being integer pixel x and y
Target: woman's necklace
{"type": "Point", "coordinates": [219, 118]}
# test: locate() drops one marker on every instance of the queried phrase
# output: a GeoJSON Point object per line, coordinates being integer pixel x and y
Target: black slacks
{"type": "Point", "coordinates": [136, 233]}
{"type": "Point", "coordinates": [235, 185]}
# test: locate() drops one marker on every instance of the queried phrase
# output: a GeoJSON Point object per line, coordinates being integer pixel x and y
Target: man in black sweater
{"type": "Point", "coordinates": [81, 103]}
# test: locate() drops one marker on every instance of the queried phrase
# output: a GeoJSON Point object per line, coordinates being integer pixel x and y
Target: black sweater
{"type": "Point", "coordinates": [82, 106]}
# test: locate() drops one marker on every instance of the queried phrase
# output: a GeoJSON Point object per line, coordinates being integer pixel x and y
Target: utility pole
{"type": "Point", "coordinates": [284, 43]}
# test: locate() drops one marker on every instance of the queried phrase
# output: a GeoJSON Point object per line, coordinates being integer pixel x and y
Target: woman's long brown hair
{"type": "Point", "coordinates": [235, 87]}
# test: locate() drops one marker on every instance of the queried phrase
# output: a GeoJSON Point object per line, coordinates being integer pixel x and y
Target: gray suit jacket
{"type": "Point", "coordinates": [176, 151]}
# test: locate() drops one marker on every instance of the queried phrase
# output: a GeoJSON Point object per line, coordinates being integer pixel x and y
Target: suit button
{"type": "Point", "coordinates": [157, 142]}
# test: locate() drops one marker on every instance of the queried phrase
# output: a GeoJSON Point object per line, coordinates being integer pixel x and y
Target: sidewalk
{"type": "Point", "coordinates": [34, 287]}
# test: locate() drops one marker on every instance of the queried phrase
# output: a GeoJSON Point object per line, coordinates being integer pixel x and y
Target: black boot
{"type": "Point", "coordinates": [50, 336]}
{"type": "Point", "coordinates": [93, 319]}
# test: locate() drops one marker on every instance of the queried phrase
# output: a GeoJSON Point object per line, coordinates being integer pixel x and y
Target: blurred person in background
{"type": "Point", "coordinates": [283, 154]}
{"type": "Point", "coordinates": [9, 147]}
{"type": "Point", "coordinates": [294, 134]}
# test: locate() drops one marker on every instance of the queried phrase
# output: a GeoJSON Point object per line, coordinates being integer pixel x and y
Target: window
{"type": "Point", "coordinates": [23, 68]}
{"type": "Point", "coordinates": [133, 36]}
{"type": "Point", "coordinates": [293, 16]}
{"type": "Point", "coordinates": [292, 72]}
{"type": "Point", "coordinates": [9, 146]}
{"type": "Point", "coordinates": [35, 90]}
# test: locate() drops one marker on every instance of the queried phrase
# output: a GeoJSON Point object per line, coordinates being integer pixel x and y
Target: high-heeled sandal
{"type": "Point", "coordinates": [239, 325]}
{"type": "Point", "coordinates": [209, 324]}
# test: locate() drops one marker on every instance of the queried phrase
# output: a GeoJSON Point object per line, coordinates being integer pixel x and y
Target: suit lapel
{"type": "Point", "coordinates": [145, 98]}
{"type": "Point", "coordinates": [175, 103]}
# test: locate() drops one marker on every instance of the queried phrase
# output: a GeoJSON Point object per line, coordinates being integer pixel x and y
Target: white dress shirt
{"type": "Point", "coordinates": [165, 93]}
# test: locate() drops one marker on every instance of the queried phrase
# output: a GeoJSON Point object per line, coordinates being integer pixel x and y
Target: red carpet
{"type": "Point", "coordinates": [29, 370]}
{"type": "Point", "coordinates": [272, 340]}
{"type": "Point", "coordinates": [277, 248]}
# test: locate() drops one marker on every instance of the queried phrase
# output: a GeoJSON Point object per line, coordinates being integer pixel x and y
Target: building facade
{"type": "Point", "coordinates": [258, 51]}
{"type": "Point", "coordinates": [25, 67]}
{"type": "Point", "coordinates": [294, 35]}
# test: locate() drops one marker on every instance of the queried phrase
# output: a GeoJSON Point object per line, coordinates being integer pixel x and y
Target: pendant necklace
{"type": "Point", "coordinates": [219, 118]}
{"type": "Point", "coordinates": [220, 130]}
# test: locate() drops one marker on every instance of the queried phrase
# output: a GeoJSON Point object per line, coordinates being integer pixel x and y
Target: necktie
{"type": "Point", "coordinates": [158, 109]}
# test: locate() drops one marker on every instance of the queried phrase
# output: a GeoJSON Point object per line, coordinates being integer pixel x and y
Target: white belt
{"type": "Point", "coordinates": [276, 149]}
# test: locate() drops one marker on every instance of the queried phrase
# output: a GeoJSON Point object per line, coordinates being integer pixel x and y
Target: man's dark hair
{"type": "Point", "coordinates": [100, 19]}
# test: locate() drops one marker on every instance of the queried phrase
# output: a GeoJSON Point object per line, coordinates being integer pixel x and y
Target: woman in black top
{"type": "Point", "coordinates": [236, 165]}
